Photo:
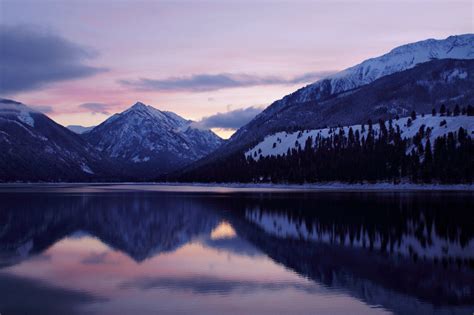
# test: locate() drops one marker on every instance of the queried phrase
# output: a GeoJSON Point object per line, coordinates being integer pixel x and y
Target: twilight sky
{"type": "Point", "coordinates": [82, 60]}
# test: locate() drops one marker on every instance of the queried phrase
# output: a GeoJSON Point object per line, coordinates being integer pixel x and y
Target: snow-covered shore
{"type": "Point", "coordinates": [335, 186]}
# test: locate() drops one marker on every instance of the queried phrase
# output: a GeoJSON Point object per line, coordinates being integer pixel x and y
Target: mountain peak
{"type": "Point", "coordinates": [143, 110]}
{"type": "Point", "coordinates": [139, 105]}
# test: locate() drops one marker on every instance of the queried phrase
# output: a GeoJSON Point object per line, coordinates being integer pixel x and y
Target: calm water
{"type": "Point", "coordinates": [186, 250]}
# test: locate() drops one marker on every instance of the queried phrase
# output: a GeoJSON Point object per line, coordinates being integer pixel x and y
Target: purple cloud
{"type": "Point", "coordinates": [229, 120]}
{"type": "Point", "coordinates": [212, 82]}
{"type": "Point", "coordinates": [97, 108]}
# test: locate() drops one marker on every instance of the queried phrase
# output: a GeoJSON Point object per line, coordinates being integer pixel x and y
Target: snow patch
{"type": "Point", "coordinates": [137, 159]}
{"type": "Point", "coordinates": [86, 169]}
{"type": "Point", "coordinates": [452, 75]}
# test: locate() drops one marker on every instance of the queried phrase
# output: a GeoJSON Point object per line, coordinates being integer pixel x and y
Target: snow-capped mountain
{"type": "Point", "coordinates": [279, 143]}
{"type": "Point", "coordinates": [79, 129]}
{"type": "Point", "coordinates": [36, 148]}
{"type": "Point", "coordinates": [151, 141]}
{"type": "Point", "coordinates": [416, 76]}
{"type": "Point", "coordinates": [397, 60]}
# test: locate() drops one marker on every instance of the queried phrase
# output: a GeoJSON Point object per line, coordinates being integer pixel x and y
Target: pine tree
{"type": "Point", "coordinates": [456, 110]}
{"type": "Point", "coordinates": [470, 110]}
{"type": "Point", "coordinates": [442, 110]}
{"type": "Point", "coordinates": [427, 162]}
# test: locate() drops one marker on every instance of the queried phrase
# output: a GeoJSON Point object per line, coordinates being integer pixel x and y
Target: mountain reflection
{"type": "Point", "coordinates": [406, 252]}
{"type": "Point", "coordinates": [140, 225]}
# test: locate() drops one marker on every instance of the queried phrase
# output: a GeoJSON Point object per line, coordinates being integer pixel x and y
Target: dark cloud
{"type": "Point", "coordinates": [29, 59]}
{"type": "Point", "coordinates": [233, 119]}
{"type": "Point", "coordinates": [212, 82]}
{"type": "Point", "coordinates": [96, 108]}
{"type": "Point", "coordinates": [214, 285]}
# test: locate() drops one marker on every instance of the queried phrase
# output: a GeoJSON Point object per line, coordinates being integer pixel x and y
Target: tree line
{"type": "Point", "coordinates": [369, 155]}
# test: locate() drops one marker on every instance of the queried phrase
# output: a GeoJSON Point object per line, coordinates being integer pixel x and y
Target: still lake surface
{"type": "Point", "coordinates": [147, 249]}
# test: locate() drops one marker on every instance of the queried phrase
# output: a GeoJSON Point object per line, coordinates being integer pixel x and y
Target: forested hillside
{"type": "Point", "coordinates": [420, 148]}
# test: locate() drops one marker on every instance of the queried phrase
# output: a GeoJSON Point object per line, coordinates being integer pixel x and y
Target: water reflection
{"type": "Point", "coordinates": [300, 253]}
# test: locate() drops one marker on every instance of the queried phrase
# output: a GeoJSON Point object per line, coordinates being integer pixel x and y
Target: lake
{"type": "Point", "coordinates": [148, 249]}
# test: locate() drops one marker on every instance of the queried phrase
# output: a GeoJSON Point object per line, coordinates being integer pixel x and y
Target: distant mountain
{"type": "Point", "coordinates": [376, 88]}
{"type": "Point", "coordinates": [79, 129]}
{"type": "Point", "coordinates": [35, 148]}
{"type": "Point", "coordinates": [147, 141]}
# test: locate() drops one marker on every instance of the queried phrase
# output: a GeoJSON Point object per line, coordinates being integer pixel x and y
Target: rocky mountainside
{"type": "Point", "coordinates": [35, 148]}
{"type": "Point", "coordinates": [148, 141]}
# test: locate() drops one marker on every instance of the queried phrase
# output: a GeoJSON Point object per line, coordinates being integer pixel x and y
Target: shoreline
{"type": "Point", "coordinates": [249, 187]}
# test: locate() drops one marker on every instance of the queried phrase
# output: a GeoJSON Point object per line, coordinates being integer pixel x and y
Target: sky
{"type": "Point", "coordinates": [216, 62]}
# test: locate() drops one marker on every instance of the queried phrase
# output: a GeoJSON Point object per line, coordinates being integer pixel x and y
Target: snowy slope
{"type": "Point", "coordinates": [398, 59]}
{"type": "Point", "coordinates": [144, 134]}
{"type": "Point", "coordinates": [279, 143]}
